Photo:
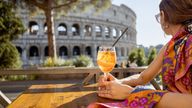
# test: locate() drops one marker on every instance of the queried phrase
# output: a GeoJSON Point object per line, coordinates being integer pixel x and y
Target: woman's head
{"type": "Point", "coordinates": [175, 12]}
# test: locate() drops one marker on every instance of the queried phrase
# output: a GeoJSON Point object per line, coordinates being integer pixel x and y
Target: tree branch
{"type": "Point", "coordinates": [39, 5]}
{"type": "Point", "coordinates": [65, 4]}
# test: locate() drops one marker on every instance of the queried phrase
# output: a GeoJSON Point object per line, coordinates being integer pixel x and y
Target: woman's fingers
{"type": "Point", "coordinates": [111, 77]}
{"type": "Point", "coordinates": [105, 93]}
{"type": "Point", "coordinates": [108, 77]}
{"type": "Point", "coordinates": [106, 83]}
{"type": "Point", "coordinates": [102, 78]}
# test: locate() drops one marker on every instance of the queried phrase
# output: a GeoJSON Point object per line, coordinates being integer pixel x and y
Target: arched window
{"type": "Point", "coordinates": [33, 51]}
{"type": "Point", "coordinates": [107, 32]}
{"type": "Point", "coordinates": [117, 51]}
{"type": "Point", "coordinates": [63, 51]}
{"type": "Point", "coordinates": [76, 51]}
{"type": "Point", "coordinates": [115, 13]}
{"type": "Point", "coordinates": [62, 29]}
{"type": "Point", "coordinates": [88, 50]}
{"type": "Point", "coordinates": [45, 28]}
{"type": "Point", "coordinates": [127, 51]}
{"type": "Point", "coordinates": [122, 51]}
{"type": "Point", "coordinates": [128, 36]}
{"type": "Point", "coordinates": [33, 28]}
{"type": "Point", "coordinates": [46, 51]}
{"type": "Point", "coordinates": [125, 35]}
{"type": "Point", "coordinates": [98, 31]}
{"type": "Point", "coordinates": [75, 30]}
{"type": "Point", "coordinates": [19, 49]}
{"type": "Point", "coordinates": [87, 30]}
{"type": "Point", "coordinates": [120, 32]}
{"type": "Point", "coordinates": [98, 48]}
{"type": "Point", "coordinates": [114, 33]}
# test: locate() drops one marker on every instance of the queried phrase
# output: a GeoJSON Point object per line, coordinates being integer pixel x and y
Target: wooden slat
{"type": "Point", "coordinates": [42, 71]}
{"type": "Point", "coordinates": [88, 78]}
{"type": "Point", "coordinates": [155, 85]}
{"type": "Point", "coordinates": [4, 100]}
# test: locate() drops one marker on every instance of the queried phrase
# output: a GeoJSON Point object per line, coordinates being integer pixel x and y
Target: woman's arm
{"type": "Point", "coordinates": [148, 74]}
{"type": "Point", "coordinates": [175, 100]}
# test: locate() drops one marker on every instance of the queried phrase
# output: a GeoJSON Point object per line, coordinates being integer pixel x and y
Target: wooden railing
{"type": "Point", "coordinates": [92, 72]}
{"type": "Point", "coordinates": [70, 70]}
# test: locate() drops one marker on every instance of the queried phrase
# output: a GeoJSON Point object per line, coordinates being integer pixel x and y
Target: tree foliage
{"type": "Point", "coordinates": [132, 56]}
{"type": "Point", "coordinates": [152, 55]}
{"type": "Point", "coordinates": [140, 57]}
{"type": "Point", "coordinates": [10, 28]}
{"type": "Point", "coordinates": [9, 56]}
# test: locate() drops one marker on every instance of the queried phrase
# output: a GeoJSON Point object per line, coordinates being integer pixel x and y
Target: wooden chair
{"type": "Point", "coordinates": [155, 85]}
{"type": "Point", "coordinates": [4, 100]}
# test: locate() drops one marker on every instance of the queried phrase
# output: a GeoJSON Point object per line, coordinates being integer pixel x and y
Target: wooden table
{"type": "Point", "coordinates": [58, 96]}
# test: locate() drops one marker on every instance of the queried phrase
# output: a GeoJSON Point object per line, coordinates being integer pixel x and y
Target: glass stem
{"type": "Point", "coordinates": [106, 74]}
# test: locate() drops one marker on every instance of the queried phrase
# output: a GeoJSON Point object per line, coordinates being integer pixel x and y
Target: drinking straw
{"type": "Point", "coordinates": [120, 36]}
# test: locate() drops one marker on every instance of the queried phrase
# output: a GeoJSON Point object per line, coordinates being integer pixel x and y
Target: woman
{"type": "Point", "coordinates": [174, 59]}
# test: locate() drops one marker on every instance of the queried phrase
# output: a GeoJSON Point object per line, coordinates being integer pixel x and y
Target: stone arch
{"type": "Point", "coordinates": [33, 51]}
{"type": "Point", "coordinates": [63, 51]}
{"type": "Point", "coordinates": [33, 28]}
{"type": "Point", "coordinates": [75, 29]}
{"type": "Point", "coordinates": [46, 51]}
{"type": "Point", "coordinates": [114, 33]}
{"type": "Point", "coordinates": [114, 12]}
{"type": "Point", "coordinates": [107, 32]}
{"type": "Point", "coordinates": [19, 49]}
{"type": "Point", "coordinates": [122, 51]}
{"type": "Point", "coordinates": [120, 32]}
{"type": "Point", "coordinates": [76, 50]}
{"type": "Point", "coordinates": [62, 29]}
{"type": "Point", "coordinates": [97, 48]}
{"type": "Point", "coordinates": [98, 31]}
{"type": "Point", "coordinates": [87, 30]}
{"type": "Point", "coordinates": [127, 51]}
{"type": "Point", "coordinates": [88, 50]}
{"type": "Point", "coordinates": [45, 28]}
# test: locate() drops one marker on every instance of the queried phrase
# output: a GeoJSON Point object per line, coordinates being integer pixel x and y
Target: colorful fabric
{"type": "Point", "coordinates": [177, 70]}
{"type": "Point", "coordinates": [139, 99]}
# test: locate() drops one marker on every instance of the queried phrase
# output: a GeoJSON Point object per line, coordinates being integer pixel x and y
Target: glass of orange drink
{"type": "Point", "coordinates": [106, 59]}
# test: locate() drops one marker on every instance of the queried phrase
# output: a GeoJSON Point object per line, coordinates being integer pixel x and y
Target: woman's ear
{"type": "Point", "coordinates": [162, 17]}
{"type": "Point", "coordinates": [163, 22]}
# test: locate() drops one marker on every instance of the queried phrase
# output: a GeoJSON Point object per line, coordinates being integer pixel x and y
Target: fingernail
{"type": "Point", "coordinates": [99, 88]}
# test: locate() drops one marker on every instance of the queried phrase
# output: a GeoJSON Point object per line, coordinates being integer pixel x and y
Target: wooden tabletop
{"type": "Point", "coordinates": [58, 96]}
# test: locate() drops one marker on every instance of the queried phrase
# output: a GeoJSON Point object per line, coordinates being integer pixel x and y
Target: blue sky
{"type": "Point", "coordinates": [148, 30]}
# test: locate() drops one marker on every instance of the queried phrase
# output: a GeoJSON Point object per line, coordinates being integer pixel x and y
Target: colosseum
{"type": "Point", "coordinates": [78, 34]}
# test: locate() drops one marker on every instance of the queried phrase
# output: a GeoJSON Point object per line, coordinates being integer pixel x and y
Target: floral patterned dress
{"type": "Point", "coordinates": [176, 72]}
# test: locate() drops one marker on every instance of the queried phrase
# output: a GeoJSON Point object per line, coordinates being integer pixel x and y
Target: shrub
{"type": "Point", "coordinates": [68, 63]}
{"type": "Point", "coordinates": [9, 56]}
{"type": "Point", "coordinates": [152, 55]}
{"type": "Point", "coordinates": [132, 56]}
{"type": "Point", "coordinates": [17, 77]}
{"type": "Point", "coordinates": [83, 61]}
{"type": "Point", "coordinates": [51, 62]}
{"type": "Point", "coordinates": [140, 57]}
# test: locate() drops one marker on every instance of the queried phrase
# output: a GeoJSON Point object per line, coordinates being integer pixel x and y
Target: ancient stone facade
{"type": "Point", "coordinates": [77, 34]}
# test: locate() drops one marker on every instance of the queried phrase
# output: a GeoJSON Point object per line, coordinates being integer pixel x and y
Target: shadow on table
{"type": "Point", "coordinates": [59, 89]}
{"type": "Point", "coordinates": [84, 101]}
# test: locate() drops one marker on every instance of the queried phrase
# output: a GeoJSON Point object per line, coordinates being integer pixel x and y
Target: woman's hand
{"type": "Point", "coordinates": [104, 78]}
{"type": "Point", "coordinates": [110, 87]}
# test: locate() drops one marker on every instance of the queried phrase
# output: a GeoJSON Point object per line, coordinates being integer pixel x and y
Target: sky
{"type": "Point", "coordinates": [149, 32]}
